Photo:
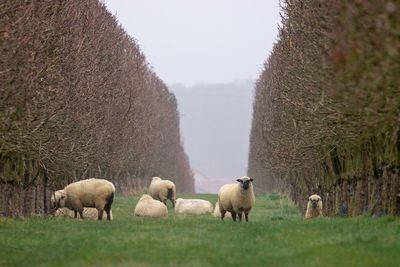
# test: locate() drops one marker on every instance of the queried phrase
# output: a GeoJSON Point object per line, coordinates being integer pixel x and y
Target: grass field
{"type": "Point", "coordinates": [276, 235]}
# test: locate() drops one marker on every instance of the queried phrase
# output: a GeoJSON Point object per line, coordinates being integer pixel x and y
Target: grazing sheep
{"type": "Point", "coordinates": [237, 198]}
{"type": "Point", "coordinates": [149, 207]}
{"type": "Point", "coordinates": [193, 206]}
{"type": "Point", "coordinates": [89, 213]}
{"type": "Point", "coordinates": [314, 207]}
{"type": "Point", "coordinates": [162, 190]}
{"type": "Point", "coordinates": [217, 213]}
{"type": "Point", "coordinates": [93, 193]}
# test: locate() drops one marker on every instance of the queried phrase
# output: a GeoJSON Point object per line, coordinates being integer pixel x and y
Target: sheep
{"type": "Point", "coordinates": [162, 190]}
{"type": "Point", "coordinates": [217, 213]}
{"type": "Point", "coordinates": [90, 213]}
{"type": "Point", "coordinates": [149, 207]}
{"type": "Point", "coordinates": [93, 193]}
{"type": "Point", "coordinates": [314, 207]}
{"type": "Point", "coordinates": [193, 206]}
{"type": "Point", "coordinates": [237, 198]}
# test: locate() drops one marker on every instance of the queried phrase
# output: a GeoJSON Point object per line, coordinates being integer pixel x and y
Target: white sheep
{"type": "Point", "coordinates": [237, 198]}
{"type": "Point", "coordinates": [193, 206]}
{"type": "Point", "coordinates": [162, 190]}
{"type": "Point", "coordinates": [217, 213]}
{"type": "Point", "coordinates": [149, 207]}
{"type": "Point", "coordinates": [88, 213]}
{"type": "Point", "coordinates": [93, 193]}
{"type": "Point", "coordinates": [314, 207]}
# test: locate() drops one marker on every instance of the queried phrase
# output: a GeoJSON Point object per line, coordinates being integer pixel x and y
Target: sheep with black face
{"type": "Point", "coordinates": [237, 198]}
{"type": "Point", "coordinates": [314, 207]}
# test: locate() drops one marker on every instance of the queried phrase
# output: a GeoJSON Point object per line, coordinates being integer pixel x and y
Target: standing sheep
{"type": "Point", "coordinates": [237, 198]}
{"type": "Point", "coordinates": [193, 206]}
{"type": "Point", "coordinates": [94, 193]}
{"type": "Point", "coordinates": [217, 213]}
{"type": "Point", "coordinates": [148, 207]}
{"type": "Point", "coordinates": [162, 190]}
{"type": "Point", "coordinates": [314, 207]}
{"type": "Point", "coordinates": [90, 213]}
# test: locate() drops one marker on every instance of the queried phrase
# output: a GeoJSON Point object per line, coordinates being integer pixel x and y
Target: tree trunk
{"type": "Point", "coordinates": [45, 184]}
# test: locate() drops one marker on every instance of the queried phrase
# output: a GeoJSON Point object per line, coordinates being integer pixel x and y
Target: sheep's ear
{"type": "Point", "coordinates": [251, 179]}
{"type": "Point", "coordinates": [239, 180]}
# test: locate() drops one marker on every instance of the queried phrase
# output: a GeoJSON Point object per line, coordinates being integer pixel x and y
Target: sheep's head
{"type": "Point", "coordinates": [315, 201]}
{"type": "Point", "coordinates": [245, 182]}
{"type": "Point", "coordinates": [58, 199]}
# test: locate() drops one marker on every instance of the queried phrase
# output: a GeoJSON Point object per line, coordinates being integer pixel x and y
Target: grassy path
{"type": "Point", "coordinates": [276, 235]}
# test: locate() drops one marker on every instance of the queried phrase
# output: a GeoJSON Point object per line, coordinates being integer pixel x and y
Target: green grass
{"type": "Point", "coordinates": [276, 235]}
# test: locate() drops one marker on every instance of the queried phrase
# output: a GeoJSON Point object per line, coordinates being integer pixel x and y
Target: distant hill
{"type": "Point", "coordinates": [215, 125]}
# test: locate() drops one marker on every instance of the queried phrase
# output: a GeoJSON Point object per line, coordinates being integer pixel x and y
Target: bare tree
{"type": "Point", "coordinates": [78, 99]}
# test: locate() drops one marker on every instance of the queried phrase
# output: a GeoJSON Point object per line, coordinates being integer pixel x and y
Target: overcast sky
{"type": "Point", "coordinates": [201, 41]}
{"type": "Point", "coordinates": [209, 52]}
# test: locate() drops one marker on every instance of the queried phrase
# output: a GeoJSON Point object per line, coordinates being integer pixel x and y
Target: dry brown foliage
{"type": "Point", "coordinates": [78, 99]}
{"type": "Point", "coordinates": [326, 113]}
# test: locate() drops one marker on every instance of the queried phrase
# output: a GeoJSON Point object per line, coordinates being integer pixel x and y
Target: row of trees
{"type": "Point", "coordinates": [77, 100]}
{"type": "Point", "coordinates": [327, 107]}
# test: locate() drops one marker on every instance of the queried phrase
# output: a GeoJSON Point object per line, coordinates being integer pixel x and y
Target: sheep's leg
{"type": "Point", "coordinates": [108, 215]}
{"type": "Point", "coordinates": [100, 215]}
{"type": "Point", "coordinates": [240, 217]}
{"type": "Point", "coordinates": [100, 206]}
{"type": "Point", "coordinates": [174, 198]}
{"type": "Point", "coordinates": [223, 214]}
{"type": "Point", "coordinates": [246, 215]}
{"type": "Point", "coordinates": [75, 214]}
{"type": "Point", "coordinates": [233, 216]}
{"type": "Point", "coordinates": [107, 207]}
{"type": "Point", "coordinates": [78, 207]}
{"type": "Point", "coordinates": [170, 196]}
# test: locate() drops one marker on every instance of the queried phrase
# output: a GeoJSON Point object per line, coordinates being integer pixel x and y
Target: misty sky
{"type": "Point", "coordinates": [209, 52]}
{"type": "Point", "coordinates": [201, 41]}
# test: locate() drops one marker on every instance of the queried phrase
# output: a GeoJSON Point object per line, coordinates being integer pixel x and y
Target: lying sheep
{"type": "Point", "coordinates": [94, 193]}
{"type": "Point", "coordinates": [217, 213]}
{"type": "Point", "coordinates": [89, 213]}
{"type": "Point", "coordinates": [162, 190]}
{"type": "Point", "coordinates": [193, 206]}
{"type": "Point", "coordinates": [149, 207]}
{"type": "Point", "coordinates": [237, 198]}
{"type": "Point", "coordinates": [314, 207]}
